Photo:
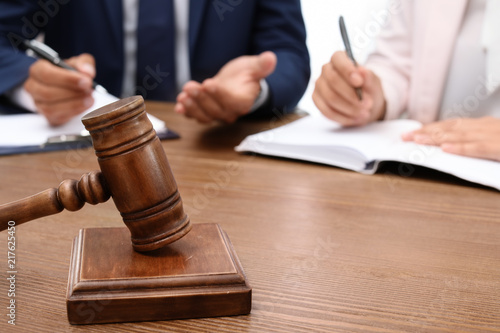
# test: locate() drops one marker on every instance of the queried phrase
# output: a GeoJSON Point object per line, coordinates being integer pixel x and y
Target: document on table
{"type": "Point", "coordinates": [362, 149]}
{"type": "Point", "coordinates": [33, 130]}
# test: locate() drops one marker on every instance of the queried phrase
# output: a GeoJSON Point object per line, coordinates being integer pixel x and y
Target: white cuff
{"type": "Point", "coordinates": [262, 97]}
{"type": "Point", "coordinates": [20, 97]}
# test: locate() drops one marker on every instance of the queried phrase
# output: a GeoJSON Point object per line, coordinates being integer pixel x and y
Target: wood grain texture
{"type": "Point", "coordinates": [198, 276]}
{"type": "Point", "coordinates": [325, 250]}
{"type": "Point", "coordinates": [70, 195]}
{"type": "Point", "coordinates": [137, 173]}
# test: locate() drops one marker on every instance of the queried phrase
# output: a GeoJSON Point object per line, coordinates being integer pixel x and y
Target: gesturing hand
{"type": "Point", "coordinates": [230, 93]}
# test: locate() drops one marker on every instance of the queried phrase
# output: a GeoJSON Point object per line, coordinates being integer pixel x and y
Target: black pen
{"type": "Point", "coordinates": [45, 52]}
{"type": "Point", "coordinates": [348, 50]}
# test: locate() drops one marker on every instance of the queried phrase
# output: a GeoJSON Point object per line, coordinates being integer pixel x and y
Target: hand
{"type": "Point", "coordinates": [462, 136]}
{"type": "Point", "coordinates": [335, 95]}
{"type": "Point", "coordinates": [61, 94]}
{"type": "Point", "coordinates": [230, 93]}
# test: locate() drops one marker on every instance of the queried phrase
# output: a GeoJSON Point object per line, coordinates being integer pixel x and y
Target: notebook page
{"type": "Point", "coordinates": [324, 135]}
{"type": "Point", "coordinates": [481, 171]}
{"type": "Point", "coordinates": [319, 140]}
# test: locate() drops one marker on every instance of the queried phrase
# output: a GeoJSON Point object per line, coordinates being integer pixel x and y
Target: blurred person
{"type": "Point", "coordinates": [217, 60]}
{"type": "Point", "coordinates": [434, 60]}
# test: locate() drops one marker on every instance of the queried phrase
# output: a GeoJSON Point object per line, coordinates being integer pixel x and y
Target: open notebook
{"type": "Point", "coordinates": [361, 149]}
{"type": "Point", "coordinates": [30, 132]}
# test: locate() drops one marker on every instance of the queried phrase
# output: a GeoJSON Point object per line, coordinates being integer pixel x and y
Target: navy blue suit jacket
{"type": "Point", "coordinates": [219, 30]}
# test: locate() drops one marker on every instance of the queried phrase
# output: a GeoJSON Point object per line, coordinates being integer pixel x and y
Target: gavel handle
{"type": "Point", "coordinates": [70, 195]}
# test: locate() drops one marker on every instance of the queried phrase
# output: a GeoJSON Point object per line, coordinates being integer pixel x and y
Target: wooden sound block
{"type": "Point", "coordinates": [196, 276]}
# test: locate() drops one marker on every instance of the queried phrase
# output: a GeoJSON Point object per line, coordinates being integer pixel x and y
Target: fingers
{"type": "Point", "coordinates": [206, 96]}
{"type": "Point", "coordinates": [43, 93]}
{"type": "Point", "coordinates": [234, 102]}
{"type": "Point", "coordinates": [187, 105]}
{"type": "Point", "coordinates": [373, 90]}
{"type": "Point", "coordinates": [346, 111]}
{"type": "Point", "coordinates": [263, 64]}
{"type": "Point", "coordinates": [346, 69]}
{"type": "Point", "coordinates": [451, 130]}
{"type": "Point", "coordinates": [54, 107]}
{"type": "Point", "coordinates": [229, 94]}
{"type": "Point", "coordinates": [335, 92]}
{"type": "Point", "coordinates": [61, 112]}
{"type": "Point", "coordinates": [335, 95]}
{"type": "Point", "coordinates": [84, 63]}
{"type": "Point", "coordinates": [48, 74]}
{"type": "Point", "coordinates": [333, 114]}
{"type": "Point", "coordinates": [444, 137]}
{"type": "Point", "coordinates": [201, 102]}
{"type": "Point", "coordinates": [60, 94]}
{"type": "Point", "coordinates": [477, 149]}
{"type": "Point", "coordinates": [468, 137]}
{"type": "Point", "coordinates": [334, 81]}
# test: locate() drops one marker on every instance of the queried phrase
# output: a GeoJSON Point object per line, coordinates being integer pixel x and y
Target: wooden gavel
{"type": "Point", "coordinates": [134, 171]}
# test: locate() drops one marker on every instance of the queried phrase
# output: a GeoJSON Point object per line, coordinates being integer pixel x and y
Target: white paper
{"type": "Point", "coordinates": [317, 139]}
{"type": "Point", "coordinates": [34, 129]}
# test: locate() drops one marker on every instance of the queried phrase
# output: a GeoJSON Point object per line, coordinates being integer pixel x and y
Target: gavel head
{"type": "Point", "coordinates": [137, 173]}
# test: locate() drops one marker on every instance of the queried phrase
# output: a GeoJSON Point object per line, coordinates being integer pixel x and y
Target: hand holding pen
{"type": "Point", "coordinates": [347, 93]}
{"type": "Point", "coordinates": [61, 90]}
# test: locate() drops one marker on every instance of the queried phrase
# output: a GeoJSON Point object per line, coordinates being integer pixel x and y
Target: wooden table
{"type": "Point", "coordinates": [325, 250]}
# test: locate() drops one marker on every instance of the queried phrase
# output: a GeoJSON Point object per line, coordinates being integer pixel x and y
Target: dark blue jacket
{"type": "Point", "coordinates": [219, 30]}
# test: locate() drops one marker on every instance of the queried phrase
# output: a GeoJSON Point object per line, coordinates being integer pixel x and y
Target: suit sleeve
{"type": "Point", "coordinates": [392, 58]}
{"type": "Point", "coordinates": [279, 27]}
{"type": "Point", "coordinates": [19, 20]}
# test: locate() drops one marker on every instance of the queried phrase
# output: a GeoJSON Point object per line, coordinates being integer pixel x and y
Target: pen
{"type": "Point", "coordinates": [45, 52]}
{"type": "Point", "coordinates": [66, 138]}
{"type": "Point", "coordinates": [347, 44]}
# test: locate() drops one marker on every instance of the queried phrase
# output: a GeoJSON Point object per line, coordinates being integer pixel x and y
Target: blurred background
{"type": "Point", "coordinates": [363, 19]}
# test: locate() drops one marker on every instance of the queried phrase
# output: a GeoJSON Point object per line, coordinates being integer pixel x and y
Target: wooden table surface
{"type": "Point", "coordinates": [324, 249]}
